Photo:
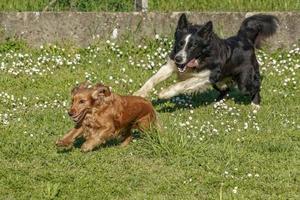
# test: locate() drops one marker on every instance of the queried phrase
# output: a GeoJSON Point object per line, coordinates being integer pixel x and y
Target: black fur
{"type": "Point", "coordinates": [233, 57]}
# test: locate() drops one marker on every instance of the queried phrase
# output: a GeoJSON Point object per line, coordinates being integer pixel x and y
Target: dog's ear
{"type": "Point", "coordinates": [100, 91]}
{"type": "Point", "coordinates": [74, 90]}
{"type": "Point", "coordinates": [207, 30]}
{"type": "Point", "coordinates": [78, 86]}
{"type": "Point", "coordinates": [182, 22]}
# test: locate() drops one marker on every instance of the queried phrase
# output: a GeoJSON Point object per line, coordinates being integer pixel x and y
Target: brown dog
{"type": "Point", "coordinates": [101, 115]}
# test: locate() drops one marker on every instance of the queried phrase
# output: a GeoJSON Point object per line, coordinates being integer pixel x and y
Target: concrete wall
{"type": "Point", "coordinates": [80, 28]}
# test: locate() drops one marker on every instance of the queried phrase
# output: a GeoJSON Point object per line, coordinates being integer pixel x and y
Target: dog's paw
{"type": "Point", "coordinates": [63, 143]}
{"type": "Point", "coordinates": [166, 94]}
{"type": "Point", "coordinates": [255, 107]}
{"type": "Point", "coordinates": [86, 148]}
{"type": "Point", "coordinates": [140, 93]}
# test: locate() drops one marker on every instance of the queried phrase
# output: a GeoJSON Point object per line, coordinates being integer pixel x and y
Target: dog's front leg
{"type": "Point", "coordinates": [198, 83]}
{"type": "Point", "coordinates": [163, 73]}
{"type": "Point", "coordinates": [97, 138]}
{"type": "Point", "coordinates": [70, 137]}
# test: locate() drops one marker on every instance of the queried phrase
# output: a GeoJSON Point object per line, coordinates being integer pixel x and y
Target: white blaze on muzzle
{"type": "Point", "coordinates": [182, 53]}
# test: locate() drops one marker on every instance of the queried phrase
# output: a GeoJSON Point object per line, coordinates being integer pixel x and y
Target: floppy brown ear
{"type": "Point", "coordinates": [75, 89]}
{"type": "Point", "coordinates": [78, 86]}
{"type": "Point", "coordinates": [101, 91]}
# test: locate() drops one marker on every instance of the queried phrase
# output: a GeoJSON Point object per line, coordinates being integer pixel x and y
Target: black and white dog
{"type": "Point", "coordinates": [200, 58]}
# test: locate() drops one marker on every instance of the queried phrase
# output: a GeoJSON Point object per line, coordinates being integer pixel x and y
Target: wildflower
{"type": "Point", "coordinates": [235, 190]}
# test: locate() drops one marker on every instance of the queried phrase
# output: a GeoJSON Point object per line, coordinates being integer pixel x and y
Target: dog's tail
{"type": "Point", "coordinates": [258, 27]}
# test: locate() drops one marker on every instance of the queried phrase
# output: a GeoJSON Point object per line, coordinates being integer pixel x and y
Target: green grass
{"type": "Point", "coordinates": [206, 151]}
{"type": "Point", "coordinates": [227, 5]}
{"type": "Point", "coordinates": [154, 5]}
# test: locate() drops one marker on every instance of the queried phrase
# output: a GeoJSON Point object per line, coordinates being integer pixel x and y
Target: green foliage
{"type": "Point", "coordinates": [154, 5]}
{"type": "Point", "coordinates": [65, 5]}
{"type": "Point", "coordinates": [12, 44]}
{"type": "Point", "coordinates": [226, 5]}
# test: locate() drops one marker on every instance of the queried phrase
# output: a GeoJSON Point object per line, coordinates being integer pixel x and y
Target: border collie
{"type": "Point", "coordinates": [202, 59]}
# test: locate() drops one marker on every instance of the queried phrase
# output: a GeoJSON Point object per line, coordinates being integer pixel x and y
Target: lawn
{"type": "Point", "coordinates": [207, 150]}
{"type": "Point", "coordinates": [154, 5]}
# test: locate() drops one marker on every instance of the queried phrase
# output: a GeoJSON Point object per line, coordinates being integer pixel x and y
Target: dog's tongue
{"type": "Point", "coordinates": [192, 63]}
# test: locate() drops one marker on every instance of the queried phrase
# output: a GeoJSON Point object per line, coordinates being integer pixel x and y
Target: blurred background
{"type": "Point", "coordinates": [153, 5]}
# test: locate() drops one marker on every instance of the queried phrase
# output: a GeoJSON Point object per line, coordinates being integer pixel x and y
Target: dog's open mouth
{"type": "Point", "coordinates": [78, 118]}
{"type": "Point", "coordinates": [192, 63]}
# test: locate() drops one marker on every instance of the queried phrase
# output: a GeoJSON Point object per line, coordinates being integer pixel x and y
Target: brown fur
{"type": "Point", "coordinates": [101, 115]}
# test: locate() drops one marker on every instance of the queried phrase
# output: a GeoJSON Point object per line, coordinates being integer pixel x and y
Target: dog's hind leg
{"type": "Point", "coordinates": [255, 92]}
{"type": "Point", "coordinates": [126, 141]}
{"type": "Point", "coordinates": [163, 73]}
{"type": "Point", "coordinates": [256, 99]}
{"type": "Point", "coordinates": [144, 123]}
{"type": "Point", "coordinates": [249, 82]}
{"type": "Point", "coordinates": [195, 84]}
{"type": "Point", "coordinates": [127, 137]}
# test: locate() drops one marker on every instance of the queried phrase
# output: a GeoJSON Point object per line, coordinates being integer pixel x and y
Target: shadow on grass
{"type": "Point", "coordinates": [77, 144]}
{"type": "Point", "coordinates": [202, 99]}
{"type": "Point", "coordinates": [111, 143]}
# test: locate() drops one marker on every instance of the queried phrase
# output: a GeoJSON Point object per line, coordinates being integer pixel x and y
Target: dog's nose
{"type": "Point", "coordinates": [70, 113]}
{"type": "Point", "coordinates": [178, 59]}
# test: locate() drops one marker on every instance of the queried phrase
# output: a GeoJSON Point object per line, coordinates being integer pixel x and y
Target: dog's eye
{"type": "Point", "coordinates": [82, 101]}
{"type": "Point", "coordinates": [181, 43]}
